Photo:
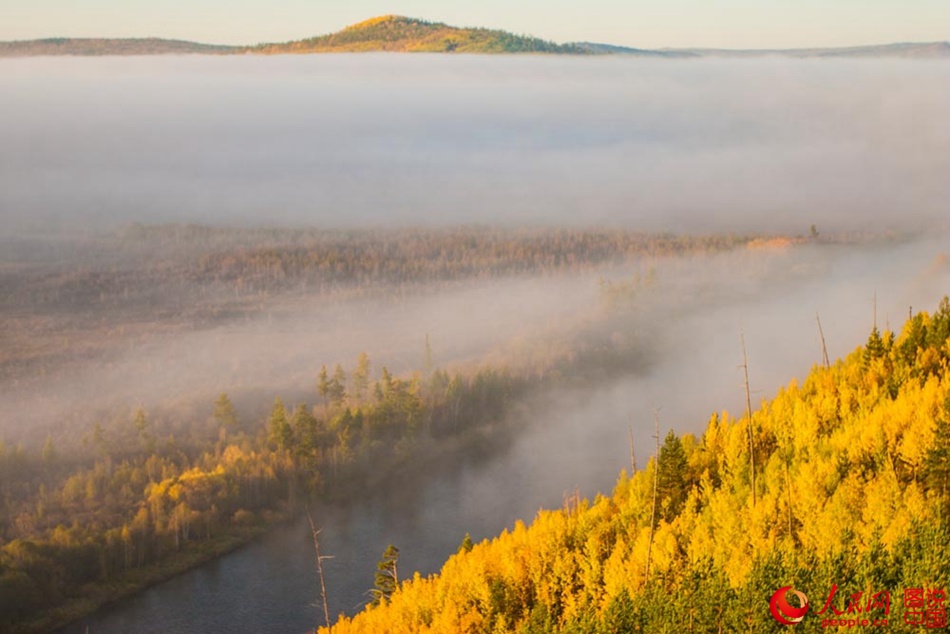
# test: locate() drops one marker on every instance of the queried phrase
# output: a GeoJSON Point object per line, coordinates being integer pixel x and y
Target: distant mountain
{"type": "Point", "coordinates": [108, 46]}
{"type": "Point", "coordinates": [408, 35]}
{"type": "Point", "coordinates": [906, 50]}
{"type": "Point", "coordinates": [393, 33]}
{"type": "Point", "coordinates": [595, 48]}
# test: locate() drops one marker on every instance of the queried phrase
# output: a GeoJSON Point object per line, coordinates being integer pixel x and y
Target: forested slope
{"type": "Point", "coordinates": [850, 507]}
{"type": "Point", "coordinates": [398, 33]}
{"type": "Point", "coordinates": [73, 537]}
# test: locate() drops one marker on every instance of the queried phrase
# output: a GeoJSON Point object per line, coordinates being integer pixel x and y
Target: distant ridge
{"type": "Point", "coordinates": [109, 46]}
{"type": "Point", "coordinates": [611, 49]}
{"type": "Point", "coordinates": [393, 33]}
{"type": "Point", "coordinates": [396, 33]}
{"type": "Point", "coordinates": [903, 49]}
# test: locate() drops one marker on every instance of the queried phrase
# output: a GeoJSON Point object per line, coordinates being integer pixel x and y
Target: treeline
{"type": "Point", "coordinates": [68, 530]}
{"type": "Point", "coordinates": [63, 302]}
{"type": "Point", "coordinates": [838, 487]}
{"type": "Point", "coordinates": [172, 267]}
{"type": "Point", "coordinates": [329, 260]}
{"type": "Point", "coordinates": [108, 46]}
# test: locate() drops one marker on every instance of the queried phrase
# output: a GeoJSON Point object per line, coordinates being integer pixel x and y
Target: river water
{"type": "Point", "coordinates": [271, 585]}
{"type": "Point", "coordinates": [565, 441]}
{"type": "Point", "coordinates": [394, 141]}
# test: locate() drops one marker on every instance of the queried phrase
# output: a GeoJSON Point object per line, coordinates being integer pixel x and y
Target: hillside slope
{"type": "Point", "coordinates": [850, 502]}
{"type": "Point", "coordinates": [905, 50]}
{"type": "Point", "coordinates": [108, 46]}
{"type": "Point", "coordinates": [400, 34]}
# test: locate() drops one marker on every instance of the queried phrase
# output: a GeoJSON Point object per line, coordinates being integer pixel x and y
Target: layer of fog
{"type": "Point", "coordinates": [577, 440]}
{"type": "Point", "coordinates": [570, 439]}
{"type": "Point", "coordinates": [282, 351]}
{"type": "Point", "coordinates": [767, 145]}
{"type": "Point", "coordinates": [375, 139]}
{"type": "Point", "coordinates": [694, 311]}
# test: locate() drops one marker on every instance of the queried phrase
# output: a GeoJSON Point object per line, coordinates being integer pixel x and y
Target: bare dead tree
{"type": "Point", "coordinates": [320, 558]}
{"type": "Point", "coordinates": [788, 450]}
{"type": "Point", "coordinates": [748, 401]}
{"type": "Point", "coordinates": [572, 502]}
{"type": "Point", "coordinates": [875, 310]}
{"type": "Point", "coordinates": [824, 349]}
{"type": "Point", "coordinates": [656, 483]}
{"type": "Point", "coordinates": [633, 453]}
{"type": "Point", "coordinates": [788, 492]}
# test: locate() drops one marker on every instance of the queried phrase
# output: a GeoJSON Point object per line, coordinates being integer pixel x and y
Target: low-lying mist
{"type": "Point", "coordinates": [576, 440]}
{"type": "Point", "coordinates": [681, 334]}
{"type": "Point", "coordinates": [102, 311]}
{"type": "Point", "coordinates": [353, 140]}
{"type": "Point", "coordinates": [573, 438]}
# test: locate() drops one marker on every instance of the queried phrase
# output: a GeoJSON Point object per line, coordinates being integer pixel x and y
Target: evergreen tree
{"type": "Point", "coordinates": [936, 466]}
{"type": "Point", "coordinates": [280, 434]}
{"type": "Point", "coordinates": [875, 347]}
{"type": "Point", "coordinates": [141, 422]}
{"type": "Point", "coordinates": [428, 360]}
{"type": "Point", "coordinates": [304, 426]}
{"type": "Point", "coordinates": [141, 426]}
{"type": "Point", "coordinates": [49, 451]}
{"type": "Point", "coordinates": [224, 413]}
{"type": "Point", "coordinates": [336, 386]}
{"type": "Point", "coordinates": [323, 387]}
{"type": "Point", "coordinates": [672, 486]}
{"type": "Point", "coordinates": [361, 376]}
{"type": "Point", "coordinates": [387, 578]}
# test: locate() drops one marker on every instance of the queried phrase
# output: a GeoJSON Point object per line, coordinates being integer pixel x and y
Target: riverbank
{"type": "Point", "coordinates": [422, 459]}
{"type": "Point", "coordinates": [99, 595]}
{"type": "Point", "coordinates": [401, 438]}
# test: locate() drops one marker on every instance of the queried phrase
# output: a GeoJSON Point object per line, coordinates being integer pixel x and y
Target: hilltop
{"type": "Point", "coordinates": [399, 34]}
{"type": "Point", "coordinates": [408, 35]}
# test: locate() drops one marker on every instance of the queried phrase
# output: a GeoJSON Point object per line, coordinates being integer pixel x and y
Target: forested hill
{"type": "Point", "coordinates": [108, 46]}
{"type": "Point", "coordinates": [850, 501]}
{"type": "Point", "coordinates": [401, 34]}
{"type": "Point", "coordinates": [392, 33]}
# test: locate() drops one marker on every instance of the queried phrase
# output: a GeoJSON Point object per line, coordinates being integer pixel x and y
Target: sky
{"type": "Point", "coordinates": [639, 23]}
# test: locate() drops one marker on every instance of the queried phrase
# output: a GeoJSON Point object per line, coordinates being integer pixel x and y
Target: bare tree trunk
{"type": "Point", "coordinates": [633, 453]}
{"type": "Point", "coordinates": [824, 349]}
{"type": "Point", "coordinates": [748, 401]}
{"type": "Point", "coordinates": [323, 585]}
{"type": "Point", "coordinates": [875, 310]}
{"type": "Point", "coordinates": [788, 490]}
{"type": "Point", "coordinates": [656, 482]}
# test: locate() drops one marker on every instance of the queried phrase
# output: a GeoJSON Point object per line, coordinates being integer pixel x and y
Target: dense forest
{"type": "Point", "coordinates": [73, 535]}
{"type": "Point", "coordinates": [103, 508]}
{"type": "Point", "coordinates": [837, 487]}
{"type": "Point", "coordinates": [67, 300]}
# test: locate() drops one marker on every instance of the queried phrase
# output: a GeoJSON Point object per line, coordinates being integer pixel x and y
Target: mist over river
{"type": "Point", "coordinates": [572, 440]}
{"type": "Point", "coordinates": [770, 146]}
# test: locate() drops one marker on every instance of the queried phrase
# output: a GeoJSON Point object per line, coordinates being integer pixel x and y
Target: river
{"type": "Point", "coordinates": [566, 441]}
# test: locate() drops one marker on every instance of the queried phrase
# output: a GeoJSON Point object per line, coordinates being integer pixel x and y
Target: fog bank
{"type": "Point", "coordinates": [353, 140]}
